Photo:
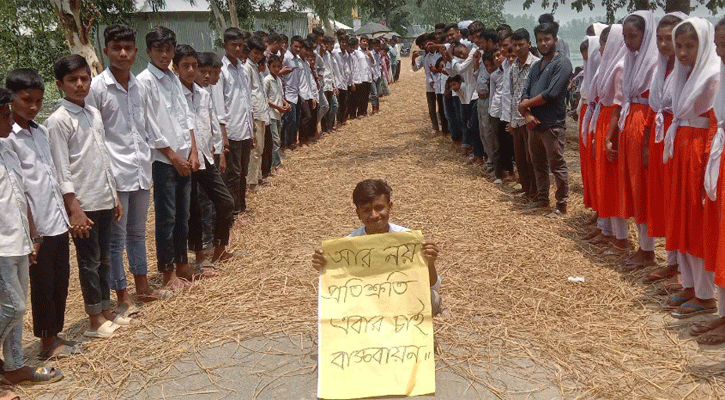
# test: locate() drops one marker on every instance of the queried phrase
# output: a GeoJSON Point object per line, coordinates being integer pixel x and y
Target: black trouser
{"type": "Point", "coordinates": [432, 101]}
{"type": "Point", "coordinates": [342, 100]}
{"type": "Point", "coordinates": [210, 181]}
{"type": "Point", "coordinates": [327, 119]}
{"type": "Point", "coordinates": [442, 114]}
{"type": "Point", "coordinates": [363, 93]}
{"type": "Point", "coordinates": [397, 72]}
{"type": "Point", "coordinates": [49, 285]}
{"type": "Point", "coordinates": [236, 176]}
{"type": "Point", "coordinates": [94, 262]}
{"type": "Point", "coordinates": [505, 148]}
{"type": "Point", "coordinates": [267, 152]}
{"type": "Point", "coordinates": [308, 121]}
{"type": "Point", "coordinates": [524, 166]}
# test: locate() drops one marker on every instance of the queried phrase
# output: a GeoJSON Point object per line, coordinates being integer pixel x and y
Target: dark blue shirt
{"type": "Point", "coordinates": [549, 82]}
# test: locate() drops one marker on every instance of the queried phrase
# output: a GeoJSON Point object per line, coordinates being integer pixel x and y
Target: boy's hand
{"type": "Point", "coordinates": [182, 166]}
{"type": "Point", "coordinates": [118, 212]}
{"type": "Point", "coordinates": [33, 257]}
{"type": "Point", "coordinates": [222, 163]}
{"type": "Point", "coordinates": [430, 252]}
{"type": "Point", "coordinates": [352, 88]}
{"type": "Point", "coordinates": [80, 224]}
{"type": "Point", "coordinates": [531, 121]}
{"type": "Point", "coordinates": [194, 161]}
{"type": "Point", "coordinates": [319, 261]}
{"type": "Point", "coordinates": [254, 141]}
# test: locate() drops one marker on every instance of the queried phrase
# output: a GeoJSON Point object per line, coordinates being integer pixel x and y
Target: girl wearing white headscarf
{"type": "Point", "coordinates": [660, 100]}
{"type": "Point", "coordinates": [713, 332]}
{"type": "Point", "coordinates": [639, 30]}
{"type": "Point", "coordinates": [604, 123]}
{"type": "Point", "coordinates": [594, 57]}
{"type": "Point", "coordinates": [687, 144]}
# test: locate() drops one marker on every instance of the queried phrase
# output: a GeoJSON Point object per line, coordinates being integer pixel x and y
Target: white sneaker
{"type": "Point", "coordinates": [498, 182]}
{"type": "Point", "coordinates": [104, 331]}
{"type": "Point", "coordinates": [120, 320]}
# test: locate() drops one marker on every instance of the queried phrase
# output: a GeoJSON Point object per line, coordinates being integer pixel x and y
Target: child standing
{"type": "Point", "coordinates": [277, 106]}
{"type": "Point", "coordinates": [78, 147]}
{"type": "Point", "coordinates": [260, 109]}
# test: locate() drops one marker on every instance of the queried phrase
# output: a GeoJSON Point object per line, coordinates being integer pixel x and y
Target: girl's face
{"type": "Point", "coordinates": [632, 37]}
{"type": "Point", "coordinates": [720, 42]}
{"type": "Point", "coordinates": [602, 43]}
{"type": "Point", "coordinates": [686, 49]}
{"type": "Point", "coordinates": [664, 41]}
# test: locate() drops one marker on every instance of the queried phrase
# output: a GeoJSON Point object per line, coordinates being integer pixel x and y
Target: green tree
{"type": "Point", "coordinates": [430, 12]}
{"type": "Point", "coordinates": [612, 6]}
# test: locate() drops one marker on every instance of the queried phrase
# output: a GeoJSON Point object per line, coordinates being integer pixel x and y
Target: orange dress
{"type": "Point", "coordinates": [714, 232]}
{"type": "Point", "coordinates": [607, 174]}
{"type": "Point", "coordinates": [632, 174]}
{"type": "Point", "coordinates": [657, 181]}
{"type": "Point", "coordinates": [684, 209]}
{"type": "Point", "coordinates": [584, 159]}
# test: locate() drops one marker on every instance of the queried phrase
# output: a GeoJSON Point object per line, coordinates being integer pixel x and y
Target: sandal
{"type": "Point", "coordinates": [675, 299]}
{"type": "Point", "coordinates": [42, 376]}
{"type": "Point", "coordinates": [713, 337]}
{"type": "Point", "coordinates": [129, 312]}
{"type": "Point", "coordinates": [697, 310]}
{"type": "Point", "coordinates": [59, 349]}
{"type": "Point", "coordinates": [158, 294]}
{"type": "Point", "coordinates": [659, 275]}
{"type": "Point", "coordinates": [103, 332]}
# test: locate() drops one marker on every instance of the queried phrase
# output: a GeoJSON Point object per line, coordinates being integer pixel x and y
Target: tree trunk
{"type": "Point", "coordinates": [233, 13]}
{"type": "Point", "coordinates": [677, 5]}
{"type": "Point", "coordinates": [76, 28]}
{"type": "Point", "coordinates": [219, 20]}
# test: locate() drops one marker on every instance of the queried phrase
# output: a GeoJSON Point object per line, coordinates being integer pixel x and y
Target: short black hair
{"type": "Point", "coordinates": [328, 39]}
{"type": "Point", "coordinates": [352, 41]}
{"type": "Point", "coordinates": [6, 96]}
{"type": "Point", "coordinates": [340, 32]}
{"type": "Point", "coordinates": [454, 78]}
{"type": "Point", "coordinates": [521, 34]}
{"type": "Point", "coordinates": [503, 27]}
{"type": "Point", "coordinates": [368, 190]}
{"type": "Point", "coordinates": [421, 39]}
{"type": "Point", "coordinates": [343, 38]}
{"type": "Point", "coordinates": [274, 37]}
{"type": "Point", "coordinates": [298, 39]}
{"type": "Point", "coordinates": [232, 34]}
{"type": "Point", "coordinates": [319, 32]}
{"type": "Point", "coordinates": [23, 79]}
{"type": "Point", "coordinates": [207, 59]}
{"type": "Point", "coordinates": [504, 34]}
{"type": "Point", "coordinates": [476, 27]}
{"type": "Point", "coordinates": [118, 33]}
{"type": "Point", "coordinates": [374, 41]}
{"type": "Point", "coordinates": [439, 62]}
{"type": "Point", "coordinates": [273, 59]}
{"type": "Point", "coordinates": [256, 43]}
{"type": "Point", "coordinates": [285, 39]}
{"type": "Point", "coordinates": [451, 26]}
{"type": "Point", "coordinates": [490, 34]}
{"type": "Point", "coordinates": [547, 28]}
{"type": "Point", "coordinates": [440, 25]}
{"type": "Point", "coordinates": [487, 56]}
{"type": "Point", "coordinates": [184, 50]}
{"type": "Point", "coordinates": [543, 18]}
{"type": "Point", "coordinates": [431, 36]}
{"type": "Point", "coordinates": [308, 44]}
{"type": "Point", "coordinates": [312, 37]}
{"type": "Point", "coordinates": [671, 20]}
{"type": "Point", "coordinates": [261, 34]}
{"type": "Point", "coordinates": [160, 36]}
{"type": "Point", "coordinates": [69, 63]}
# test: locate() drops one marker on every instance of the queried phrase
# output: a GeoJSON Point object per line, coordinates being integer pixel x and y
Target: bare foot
{"type": "Point", "coordinates": [661, 274]}
{"type": "Point", "coordinates": [713, 337]}
{"type": "Point", "coordinates": [700, 328]}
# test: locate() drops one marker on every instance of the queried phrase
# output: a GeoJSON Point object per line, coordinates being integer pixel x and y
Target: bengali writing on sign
{"type": "Point", "coordinates": [375, 325]}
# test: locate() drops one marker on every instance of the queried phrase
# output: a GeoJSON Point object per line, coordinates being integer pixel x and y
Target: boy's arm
{"type": "Point", "coordinates": [33, 234]}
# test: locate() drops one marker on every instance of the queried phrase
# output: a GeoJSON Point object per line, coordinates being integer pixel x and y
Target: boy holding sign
{"type": "Point", "coordinates": [373, 206]}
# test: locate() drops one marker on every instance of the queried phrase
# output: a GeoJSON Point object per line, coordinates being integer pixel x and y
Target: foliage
{"type": "Point", "coordinates": [612, 6]}
{"type": "Point", "coordinates": [390, 11]}
{"type": "Point", "coordinates": [430, 12]}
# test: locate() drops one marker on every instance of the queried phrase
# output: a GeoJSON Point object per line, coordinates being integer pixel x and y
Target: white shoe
{"type": "Point", "coordinates": [104, 331]}
{"type": "Point", "coordinates": [498, 182]}
{"type": "Point", "coordinates": [120, 320]}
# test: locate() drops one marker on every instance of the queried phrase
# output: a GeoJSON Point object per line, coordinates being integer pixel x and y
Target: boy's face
{"type": "Point", "coordinates": [275, 67]}
{"type": "Point", "coordinates": [490, 66]}
{"type": "Point", "coordinates": [296, 48]}
{"type": "Point", "coordinates": [216, 72]}
{"type": "Point", "coordinates": [255, 55]}
{"type": "Point", "coordinates": [375, 215]}
{"type": "Point", "coordinates": [161, 56]}
{"type": "Point", "coordinates": [234, 48]}
{"type": "Point", "coordinates": [504, 45]}
{"type": "Point", "coordinates": [440, 35]}
{"type": "Point", "coordinates": [204, 76]}
{"type": "Point", "coordinates": [6, 121]}
{"type": "Point", "coordinates": [121, 54]}
{"type": "Point", "coordinates": [330, 46]}
{"type": "Point", "coordinates": [27, 104]}
{"type": "Point", "coordinates": [498, 57]}
{"type": "Point", "coordinates": [274, 46]}
{"type": "Point", "coordinates": [546, 43]}
{"type": "Point", "coordinates": [461, 52]}
{"type": "Point", "coordinates": [364, 44]}
{"type": "Point", "coordinates": [453, 35]}
{"type": "Point", "coordinates": [76, 85]}
{"type": "Point", "coordinates": [456, 86]}
{"type": "Point", "coordinates": [187, 69]}
{"type": "Point", "coordinates": [521, 48]}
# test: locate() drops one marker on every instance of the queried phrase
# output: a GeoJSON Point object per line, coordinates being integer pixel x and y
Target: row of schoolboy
{"type": "Point", "coordinates": [86, 173]}
{"type": "Point", "coordinates": [479, 92]}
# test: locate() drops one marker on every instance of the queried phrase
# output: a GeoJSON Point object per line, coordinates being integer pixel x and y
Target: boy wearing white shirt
{"type": "Point", "coordinates": [260, 109]}
{"type": "Point", "coordinates": [122, 102]}
{"type": "Point", "coordinates": [175, 158]}
{"type": "Point", "coordinates": [329, 80]}
{"type": "Point", "coordinates": [277, 106]}
{"type": "Point", "coordinates": [207, 178]}
{"type": "Point", "coordinates": [49, 277]}
{"type": "Point", "coordinates": [19, 246]}
{"type": "Point", "coordinates": [293, 63]}
{"type": "Point", "coordinates": [78, 147]}
{"type": "Point", "coordinates": [341, 58]}
{"type": "Point", "coordinates": [308, 95]}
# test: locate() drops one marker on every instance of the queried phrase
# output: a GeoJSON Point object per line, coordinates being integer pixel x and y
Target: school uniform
{"type": "Point", "coordinates": [587, 99]}
{"type": "Point", "coordinates": [362, 78]}
{"type": "Point", "coordinates": [425, 62]}
{"type": "Point", "coordinates": [260, 113]}
{"type": "Point", "coordinates": [519, 74]}
{"type": "Point", "coordinates": [275, 94]}
{"type": "Point", "coordinates": [496, 112]}
{"type": "Point", "coordinates": [469, 101]}
{"type": "Point", "coordinates": [291, 94]}
{"type": "Point", "coordinates": [341, 70]}
{"type": "Point", "coordinates": [308, 94]}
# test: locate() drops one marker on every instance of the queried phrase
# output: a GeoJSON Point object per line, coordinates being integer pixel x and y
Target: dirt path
{"type": "Point", "coordinates": [517, 327]}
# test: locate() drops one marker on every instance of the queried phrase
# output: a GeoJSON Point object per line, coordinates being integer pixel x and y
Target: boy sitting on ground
{"type": "Point", "coordinates": [373, 206]}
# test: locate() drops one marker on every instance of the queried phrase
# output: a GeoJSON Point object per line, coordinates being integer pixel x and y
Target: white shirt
{"type": "Point", "coordinates": [494, 109]}
{"type": "Point", "coordinates": [170, 111]}
{"type": "Point", "coordinates": [78, 146]}
{"type": "Point", "coordinates": [46, 202]}
{"type": "Point", "coordinates": [237, 114]}
{"type": "Point", "coordinates": [375, 65]}
{"type": "Point", "coordinates": [217, 97]}
{"type": "Point", "coordinates": [506, 92]}
{"type": "Point", "coordinates": [391, 228]}
{"type": "Point", "coordinates": [465, 68]}
{"type": "Point", "coordinates": [348, 59]}
{"type": "Point", "coordinates": [424, 62]}
{"type": "Point", "coordinates": [130, 133]}
{"type": "Point", "coordinates": [328, 76]}
{"type": "Point", "coordinates": [260, 107]}
{"type": "Point", "coordinates": [206, 122]}
{"type": "Point", "coordinates": [15, 238]}
{"type": "Point", "coordinates": [292, 80]}
{"type": "Point", "coordinates": [308, 86]}
{"type": "Point", "coordinates": [361, 67]}
{"type": "Point", "coordinates": [273, 89]}
{"type": "Point", "coordinates": [338, 67]}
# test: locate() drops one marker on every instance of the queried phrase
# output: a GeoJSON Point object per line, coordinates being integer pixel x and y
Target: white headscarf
{"type": "Point", "coordinates": [639, 65]}
{"type": "Point", "coordinates": [612, 61]}
{"type": "Point", "coordinates": [590, 70]}
{"type": "Point", "coordinates": [712, 172]}
{"type": "Point", "coordinates": [598, 28]}
{"type": "Point", "coordinates": [693, 95]}
{"type": "Point", "coordinates": [660, 90]}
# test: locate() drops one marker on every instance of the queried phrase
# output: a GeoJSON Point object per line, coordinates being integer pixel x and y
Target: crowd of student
{"type": "Point", "coordinates": [202, 128]}
{"type": "Point", "coordinates": [651, 135]}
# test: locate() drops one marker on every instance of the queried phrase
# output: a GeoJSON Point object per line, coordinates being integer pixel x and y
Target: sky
{"type": "Point", "coordinates": [565, 13]}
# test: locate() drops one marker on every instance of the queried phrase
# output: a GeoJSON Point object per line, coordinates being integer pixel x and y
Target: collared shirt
{"type": "Point", "coordinates": [483, 82]}
{"type": "Point", "coordinates": [237, 114]}
{"type": "Point", "coordinates": [130, 133]}
{"type": "Point", "coordinates": [519, 74]}
{"type": "Point", "coordinates": [328, 76]}
{"type": "Point", "coordinates": [506, 92]}
{"type": "Point", "coordinates": [273, 89]}
{"type": "Point", "coordinates": [46, 202]}
{"type": "Point", "coordinates": [424, 62]}
{"type": "Point", "coordinates": [78, 146]}
{"type": "Point", "coordinates": [260, 107]}
{"type": "Point", "coordinates": [438, 79]}
{"type": "Point", "coordinates": [550, 82]}
{"type": "Point", "coordinates": [170, 111]}
{"type": "Point", "coordinates": [15, 238]}
{"type": "Point", "coordinates": [340, 69]}
{"type": "Point", "coordinates": [496, 90]}
{"type": "Point", "coordinates": [362, 67]}
{"type": "Point", "coordinates": [217, 98]}
{"type": "Point", "coordinates": [466, 69]}
{"type": "Point", "coordinates": [375, 65]}
{"type": "Point", "coordinates": [308, 86]}
{"type": "Point", "coordinates": [292, 80]}
{"type": "Point", "coordinates": [206, 122]}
